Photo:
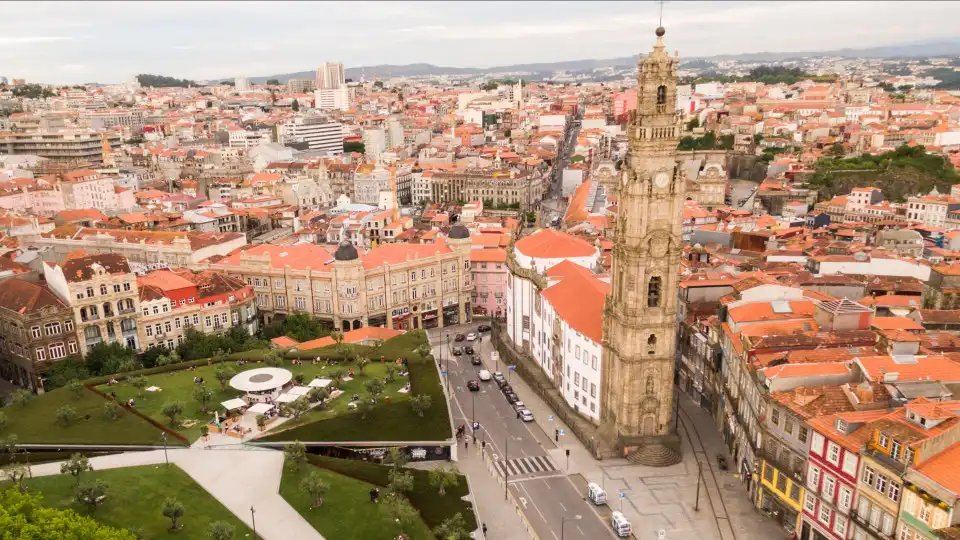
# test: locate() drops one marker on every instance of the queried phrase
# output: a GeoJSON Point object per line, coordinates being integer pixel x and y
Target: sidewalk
{"type": "Point", "coordinates": [239, 479]}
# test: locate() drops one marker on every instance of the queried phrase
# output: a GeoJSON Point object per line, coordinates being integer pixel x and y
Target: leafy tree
{"type": "Point", "coordinates": [3, 421]}
{"type": "Point", "coordinates": [420, 403]}
{"type": "Point", "coordinates": [299, 326]}
{"type": "Point", "coordinates": [203, 395]}
{"type": "Point", "coordinates": [15, 473]}
{"type": "Point", "coordinates": [261, 422]}
{"type": "Point", "coordinates": [139, 382]}
{"type": "Point", "coordinates": [23, 516]}
{"type": "Point", "coordinates": [64, 371]}
{"type": "Point", "coordinates": [272, 359]}
{"type": "Point", "coordinates": [401, 481]}
{"type": "Point", "coordinates": [314, 485]}
{"type": "Point", "coordinates": [391, 374]}
{"type": "Point", "coordinates": [337, 377]}
{"type": "Point", "coordinates": [837, 150]}
{"type": "Point", "coordinates": [65, 415]}
{"type": "Point", "coordinates": [112, 410]}
{"type": "Point", "coordinates": [9, 445]}
{"type": "Point", "coordinates": [315, 395]}
{"type": "Point", "coordinates": [204, 431]}
{"type": "Point", "coordinates": [422, 351]}
{"type": "Point", "coordinates": [375, 387]}
{"type": "Point", "coordinates": [273, 81]}
{"type": "Point", "coordinates": [76, 466]}
{"type": "Point", "coordinates": [453, 528]}
{"type": "Point", "coordinates": [296, 455]}
{"type": "Point", "coordinates": [299, 378]}
{"type": "Point", "coordinates": [443, 478]}
{"type": "Point", "coordinates": [173, 510]}
{"type": "Point", "coordinates": [161, 81]}
{"type": "Point", "coordinates": [75, 388]}
{"type": "Point", "coordinates": [128, 365]}
{"type": "Point", "coordinates": [693, 123]}
{"type": "Point", "coordinates": [224, 373]}
{"type": "Point", "coordinates": [362, 364]}
{"type": "Point", "coordinates": [295, 106]}
{"type": "Point", "coordinates": [92, 494]}
{"type": "Point", "coordinates": [21, 397]}
{"type": "Point", "coordinates": [378, 84]}
{"type": "Point", "coordinates": [401, 512]}
{"type": "Point", "coordinates": [221, 530]}
{"type": "Point", "coordinates": [354, 146]}
{"type": "Point", "coordinates": [105, 359]}
{"type": "Point", "coordinates": [297, 407]}
{"type": "Point", "coordinates": [364, 407]}
{"type": "Point", "coordinates": [32, 91]}
{"type": "Point", "coordinates": [171, 410]}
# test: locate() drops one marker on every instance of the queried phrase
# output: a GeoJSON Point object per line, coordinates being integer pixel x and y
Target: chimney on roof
{"type": "Point", "coordinates": [803, 396]}
{"type": "Point", "coordinates": [864, 392]}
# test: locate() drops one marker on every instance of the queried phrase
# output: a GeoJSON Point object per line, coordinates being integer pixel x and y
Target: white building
{"type": "Point", "coordinates": [330, 76]}
{"type": "Point", "coordinates": [317, 131]}
{"type": "Point", "coordinates": [374, 142]}
{"type": "Point", "coordinates": [241, 84]}
{"type": "Point", "coordinates": [931, 209]}
{"type": "Point", "coordinates": [330, 99]}
{"type": "Point", "coordinates": [238, 137]}
{"type": "Point", "coordinates": [422, 186]}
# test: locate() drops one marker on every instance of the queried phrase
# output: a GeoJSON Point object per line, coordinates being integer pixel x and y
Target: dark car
{"type": "Point", "coordinates": [473, 385]}
{"type": "Point", "coordinates": [457, 351]}
{"type": "Point", "coordinates": [475, 360]}
{"type": "Point", "coordinates": [469, 350]}
{"type": "Point", "coordinates": [483, 328]}
{"type": "Point", "coordinates": [505, 387]}
{"type": "Point", "coordinates": [459, 337]}
{"type": "Point", "coordinates": [511, 398]}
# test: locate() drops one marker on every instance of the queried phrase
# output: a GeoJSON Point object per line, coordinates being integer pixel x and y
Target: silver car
{"type": "Point", "coordinates": [526, 415]}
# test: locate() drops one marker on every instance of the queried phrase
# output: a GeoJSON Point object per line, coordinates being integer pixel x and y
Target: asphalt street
{"type": "Point", "coordinates": [548, 498]}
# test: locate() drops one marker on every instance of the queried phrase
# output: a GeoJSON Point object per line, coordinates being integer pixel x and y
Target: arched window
{"type": "Point", "coordinates": [652, 345]}
{"type": "Point", "coordinates": [653, 292]}
{"type": "Point", "coordinates": [661, 95]}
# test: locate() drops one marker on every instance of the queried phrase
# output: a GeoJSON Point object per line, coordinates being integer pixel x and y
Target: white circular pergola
{"type": "Point", "coordinates": [261, 379]}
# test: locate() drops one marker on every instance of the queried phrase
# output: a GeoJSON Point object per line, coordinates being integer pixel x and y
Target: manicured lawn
{"type": "Point", "coordinates": [346, 512]}
{"type": "Point", "coordinates": [433, 508]}
{"type": "Point", "coordinates": [36, 422]}
{"type": "Point", "coordinates": [135, 496]}
{"type": "Point", "coordinates": [393, 421]}
{"type": "Point", "coordinates": [179, 385]}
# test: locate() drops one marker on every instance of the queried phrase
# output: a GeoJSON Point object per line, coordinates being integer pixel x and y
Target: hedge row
{"type": "Point", "coordinates": [252, 356]}
{"type": "Point", "coordinates": [176, 436]}
{"type": "Point", "coordinates": [433, 508]}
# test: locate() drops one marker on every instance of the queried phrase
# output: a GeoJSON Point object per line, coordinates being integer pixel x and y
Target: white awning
{"type": "Point", "coordinates": [287, 398]}
{"type": "Point", "coordinates": [260, 408]}
{"type": "Point", "coordinates": [320, 383]}
{"type": "Point", "coordinates": [235, 403]}
{"type": "Point", "coordinates": [298, 390]}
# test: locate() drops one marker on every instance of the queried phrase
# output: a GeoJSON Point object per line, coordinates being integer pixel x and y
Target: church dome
{"type": "Point", "coordinates": [346, 252]}
{"type": "Point", "coordinates": [459, 232]}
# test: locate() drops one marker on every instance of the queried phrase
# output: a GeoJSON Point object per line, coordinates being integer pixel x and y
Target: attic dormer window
{"type": "Point", "coordinates": [841, 425]}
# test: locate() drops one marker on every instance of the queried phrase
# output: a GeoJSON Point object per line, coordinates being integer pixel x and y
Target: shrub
{"type": "Point", "coordinates": [171, 410]}
{"type": "Point", "coordinates": [112, 410]}
{"type": "Point", "coordinates": [65, 415]}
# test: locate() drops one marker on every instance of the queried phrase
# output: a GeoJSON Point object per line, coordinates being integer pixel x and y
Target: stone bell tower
{"type": "Point", "coordinates": [640, 315]}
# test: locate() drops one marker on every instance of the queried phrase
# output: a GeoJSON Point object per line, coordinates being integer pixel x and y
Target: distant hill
{"type": "Point", "coordinates": [906, 50]}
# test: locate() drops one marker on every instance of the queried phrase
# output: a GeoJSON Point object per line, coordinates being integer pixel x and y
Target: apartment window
{"type": "Point", "coordinates": [840, 525]}
{"type": "Point", "coordinates": [924, 513]}
{"type": "Point", "coordinates": [593, 390]}
{"type": "Point", "coordinates": [196, 319]}
{"type": "Point", "coordinates": [816, 444]}
{"type": "Point", "coordinates": [850, 464]}
{"type": "Point", "coordinates": [833, 454]}
{"type": "Point", "coordinates": [810, 503]}
{"type": "Point", "coordinates": [68, 325]}
{"type": "Point", "coordinates": [887, 528]}
{"type": "Point", "coordinates": [35, 331]}
{"type": "Point", "coordinates": [895, 449]}
{"type": "Point", "coordinates": [845, 499]}
{"type": "Point", "coordinates": [103, 290]}
{"type": "Point", "coordinates": [868, 475]}
{"type": "Point", "coordinates": [116, 287]}
{"type": "Point", "coordinates": [794, 492]}
{"type": "Point", "coordinates": [824, 514]}
{"type": "Point", "coordinates": [813, 477]}
{"type": "Point", "coordinates": [829, 486]}
{"type": "Point", "coordinates": [206, 321]}
{"type": "Point", "coordinates": [167, 327]}
{"type": "Point", "coordinates": [72, 347]}
{"type": "Point", "coordinates": [882, 482]}
{"type": "Point", "coordinates": [156, 309]}
{"type": "Point", "coordinates": [280, 301]}
{"type": "Point", "coordinates": [883, 440]}
{"type": "Point", "coordinates": [126, 286]}
{"type": "Point", "coordinates": [301, 303]}
{"type": "Point", "coordinates": [593, 362]}
{"type": "Point", "coordinates": [775, 416]}
{"type": "Point", "coordinates": [149, 330]}
{"type": "Point", "coordinates": [908, 456]}
{"type": "Point", "coordinates": [52, 329]}
{"type": "Point", "coordinates": [894, 492]}
{"type": "Point", "coordinates": [788, 425]}
{"type": "Point", "coordinates": [183, 301]}
{"type": "Point", "coordinates": [223, 317]}
{"type": "Point", "coordinates": [768, 473]}
{"type": "Point", "coordinates": [278, 283]}
{"type": "Point", "coordinates": [804, 432]}
{"type": "Point", "coordinates": [89, 292]}
{"type": "Point", "coordinates": [782, 483]}
{"type": "Point", "coordinates": [176, 322]}
{"type": "Point", "coordinates": [57, 350]}
{"type": "Point", "coordinates": [41, 354]}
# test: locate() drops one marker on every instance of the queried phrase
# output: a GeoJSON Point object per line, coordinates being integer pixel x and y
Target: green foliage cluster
{"type": "Point", "coordinates": [161, 81]}
{"type": "Point", "coordinates": [197, 345]}
{"type": "Point", "coordinates": [299, 326]}
{"type": "Point", "coordinates": [32, 91]}
{"type": "Point", "coordinates": [354, 146]}
{"type": "Point", "coordinates": [767, 75]}
{"type": "Point", "coordinates": [23, 516]}
{"type": "Point", "coordinates": [709, 141]}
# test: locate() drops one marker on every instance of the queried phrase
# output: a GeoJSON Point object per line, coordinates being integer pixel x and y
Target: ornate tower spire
{"type": "Point", "coordinates": [640, 315]}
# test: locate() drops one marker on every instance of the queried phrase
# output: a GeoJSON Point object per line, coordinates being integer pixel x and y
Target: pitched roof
{"type": "Point", "coordinates": [82, 268]}
{"type": "Point", "coordinates": [578, 299]}
{"type": "Point", "coordinates": [20, 296]}
{"type": "Point", "coordinates": [552, 244]}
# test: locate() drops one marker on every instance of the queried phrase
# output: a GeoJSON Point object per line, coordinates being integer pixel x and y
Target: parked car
{"type": "Point", "coordinates": [471, 337]}
{"type": "Point", "coordinates": [469, 350]}
{"type": "Point", "coordinates": [458, 338]}
{"type": "Point", "coordinates": [457, 351]}
{"type": "Point", "coordinates": [519, 405]}
{"type": "Point", "coordinates": [484, 375]}
{"type": "Point", "coordinates": [499, 378]}
{"type": "Point", "coordinates": [526, 415]}
{"type": "Point", "coordinates": [483, 328]}
{"type": "Point", "coordinates": [473, 385]}
{"type": "Point", "coordinates": [475, 360]}
{"type": "Point", "coordinates": [511, 398]}
{"type": "Point", "coordinates": [506, 388]}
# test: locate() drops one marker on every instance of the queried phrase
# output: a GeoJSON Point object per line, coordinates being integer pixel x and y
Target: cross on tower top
{"type": "Point", "coordinates": [661, 13]}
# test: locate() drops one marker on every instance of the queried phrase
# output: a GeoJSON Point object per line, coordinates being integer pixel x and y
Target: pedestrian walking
{"type": "Point", "coordinates": [466, 443]}
{"type": "Point", "coordinates": [484, 529]}
{"type": "Point", "coordinates": [556, 435]}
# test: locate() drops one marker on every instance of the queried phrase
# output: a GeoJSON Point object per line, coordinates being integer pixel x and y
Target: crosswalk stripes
{"type": "Point", "coordinates": [526, 465]}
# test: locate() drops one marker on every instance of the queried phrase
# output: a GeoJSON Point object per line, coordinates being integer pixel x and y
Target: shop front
{"type": "Point", "coordinates": [451, 315]}
{"type": "Point", "coordinates": [378, 320]}
{"type": "Point", "coordinates": [429, 319]}
{"type": "Point", "coordinates": [400, 318]}
{"type": "Point", "coordinates": [468, 312]}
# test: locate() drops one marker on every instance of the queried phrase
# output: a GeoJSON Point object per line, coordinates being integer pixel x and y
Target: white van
{"type": "Point", "coordinates": [484, 375]}
{"type": "Point", "coordinates": [620, 525]}
{"type": "Point", "coordinates": [596, 494]}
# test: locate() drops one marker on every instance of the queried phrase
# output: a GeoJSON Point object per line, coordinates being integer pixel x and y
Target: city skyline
{"type": "Point", "coordinates": [186, 41]}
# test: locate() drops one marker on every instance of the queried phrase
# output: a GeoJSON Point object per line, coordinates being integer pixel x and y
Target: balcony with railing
{"type": "Point", "coordinates": [864, 524]}
{"type": "Point", "coordinates": [784, 462]}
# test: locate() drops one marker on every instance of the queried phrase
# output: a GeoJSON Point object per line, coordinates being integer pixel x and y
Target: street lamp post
{"type": "Point", "coordinates": [253, 518]}
{"type": "Point", "coordinates": [448, 364]}
{"type": "Point", "coordinates": [163, 435]}
{"type": "Point", "coordinates": [473, 414]}
{"type": "Point", "coordinates": [564, 520]}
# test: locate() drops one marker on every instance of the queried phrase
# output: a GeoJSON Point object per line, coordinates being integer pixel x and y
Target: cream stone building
{"type": "Point", "coordinates": [640, 315]}
{"type": "Point", "coordinates": [102, 290]}
{"type": "Point", "coordinates": [399, 286]}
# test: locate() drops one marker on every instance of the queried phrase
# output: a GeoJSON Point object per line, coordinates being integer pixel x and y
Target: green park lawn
{"type": "Point", "coordinates": [36, 422]}
{"type": "Point", "coordinates": [346, 512]}
{"type": "Point", "coordinates": [135, 496]}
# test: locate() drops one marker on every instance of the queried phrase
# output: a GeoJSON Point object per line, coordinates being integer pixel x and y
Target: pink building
{"type": "Point", "coordinates": [624, 102]}
{"type": "Point", "coordinates": [490, 276]}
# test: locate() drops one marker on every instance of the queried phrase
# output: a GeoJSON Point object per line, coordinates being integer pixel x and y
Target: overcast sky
{"type": "Point", "coordinates": [74, 42]}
